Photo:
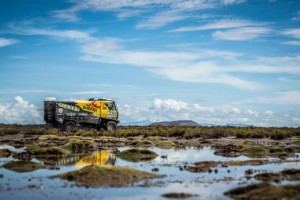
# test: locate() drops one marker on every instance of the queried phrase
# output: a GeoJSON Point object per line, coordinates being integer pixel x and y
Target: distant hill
{"type": "Point", "coordinates": [136, 123]}
{"type": "Point", "coordinates": [176, 123]}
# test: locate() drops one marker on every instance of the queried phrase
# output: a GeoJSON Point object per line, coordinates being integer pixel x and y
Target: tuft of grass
{"type": "Point", "coordinates": [143, 143]}
{"type": "Point", "coordinates": [79, 145]}
{"type": "Point", "coordinates": [165, 145]}
{"type": "Point", "coordinates": [23, 166]}
{"type": "Point", "coordinates": [4, 153]}
{"type": "Point", "coordinates": [287, 174]}
{"type": "Point", "coordinates": [255, 151]}
{"type": "Point", "coordinates": [265, 191]}
{"type": "Point", "coordinates": [46, 151]}
{"type": "Point", "coordinates": [106, 176]}
{"type": "Point", "coordinates": [52, 138]}
{"type": "Point", "coordinates": [137, 155]}
{"type": "Point", "coordinates": [52, 131]}
{"type": "Point", "coordinates": [87, 133]}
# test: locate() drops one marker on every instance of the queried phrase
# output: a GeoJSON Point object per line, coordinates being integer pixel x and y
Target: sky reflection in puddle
{"type": "Point", "coordinates": [37, 185]}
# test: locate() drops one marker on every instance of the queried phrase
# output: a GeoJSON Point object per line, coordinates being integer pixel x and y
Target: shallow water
{"type": "Point", "coordinates": [37, 185]}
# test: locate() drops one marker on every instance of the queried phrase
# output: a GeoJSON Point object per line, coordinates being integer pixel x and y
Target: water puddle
{"type": "Point", "coordinates": [170, 162]}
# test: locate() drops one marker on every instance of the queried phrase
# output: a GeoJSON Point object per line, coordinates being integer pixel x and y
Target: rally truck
{"type": "Point", "coordinates": [67, 115]}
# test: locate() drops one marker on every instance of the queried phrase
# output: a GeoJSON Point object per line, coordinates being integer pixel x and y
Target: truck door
{"type": "Point", "coordinates": [108, 110]}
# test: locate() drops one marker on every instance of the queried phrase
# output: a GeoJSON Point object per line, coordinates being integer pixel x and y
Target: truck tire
{"type": "Point", "coordinates": [111, 126]}
{"type": "Point", "coordinates": [49, 125]}
{"type": "Point", "coordinates": [70, 126]}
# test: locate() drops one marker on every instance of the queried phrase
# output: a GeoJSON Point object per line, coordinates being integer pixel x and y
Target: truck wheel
{"type": "Point", "coordinates": [111, 126]}
{"type": "Point", "coordinates": [49, 125]}
{"type": "Point", "coordinates": [70, 126]}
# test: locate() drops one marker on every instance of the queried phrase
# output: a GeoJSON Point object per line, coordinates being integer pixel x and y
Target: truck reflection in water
{"type": "Point", "coordinates": [100, 157]}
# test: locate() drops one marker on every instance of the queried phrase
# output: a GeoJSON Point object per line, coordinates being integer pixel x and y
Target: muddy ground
{"type": "Point", "coordinates": [144, 163]}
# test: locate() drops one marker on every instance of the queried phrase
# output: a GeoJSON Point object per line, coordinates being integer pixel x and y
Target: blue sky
{"type": "Point", "coordinates": [218, 61]}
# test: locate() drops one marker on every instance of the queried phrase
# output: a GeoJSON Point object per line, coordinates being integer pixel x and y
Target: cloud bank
{"type": "Point", "coordinates": [171, 109]}
{"type": "Point", "coordinates": [20, 111]}
{"type": "Point", "coordinates": [156, 13]}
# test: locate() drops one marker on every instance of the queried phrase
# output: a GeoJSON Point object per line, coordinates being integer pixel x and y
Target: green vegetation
{"type": "Point", "coordinates": [288, 174]}
{"type": "Point", "coordinates": [264, 191]}
{"type": "Point", "coordinates": [50, 138]}
{"type": "Point", "coordinates": [80, 144]}
{"type": "Point", "coordinates": [23, 166]}
{"type": "Point", "coordinates": [4, 153]}
{"type": "Point", "coordinates": [148, 131]}
{"type": "Point", "coordinates": [255, 151]}
{"type": "Point", "coordinates": [165, 145]}
{"type": "Point", "coordinates": [137, 155]}
{"type": "Point", "coordinates": [45, 151]}
{"type": "Point", "coordinates": [87, 133]}
{"type": "Point", "coordinates": [142, 143]}
{"type": "Point", "coordinates": [106, 176]}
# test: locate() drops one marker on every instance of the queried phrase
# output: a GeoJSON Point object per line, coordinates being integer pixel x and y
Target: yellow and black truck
{"type": "Point", "coordinates": [67, 115]}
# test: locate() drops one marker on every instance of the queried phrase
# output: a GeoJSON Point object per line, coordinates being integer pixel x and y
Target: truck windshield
{"type": "Point", "coordinates": [115, 105]}
{"type": "Point", "coordinates": [111, 106]}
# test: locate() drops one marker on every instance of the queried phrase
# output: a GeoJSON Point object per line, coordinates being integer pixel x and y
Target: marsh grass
{"type": "Point", "coordinates": [206, 132]}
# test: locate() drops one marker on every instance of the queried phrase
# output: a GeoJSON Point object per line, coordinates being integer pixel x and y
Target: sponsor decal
{"type": "Point", "coordinates": [69, 107]}
{"type": "Point", "coordinates": [60, 110]}
{"type": "Point", "coordinates": [89, 107]}
{"type": "Point", "coordinates": [95, 105]}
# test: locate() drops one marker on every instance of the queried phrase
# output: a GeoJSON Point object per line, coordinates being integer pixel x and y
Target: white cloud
{"type": "Point", "coordinates": [68, 15]}
{"type": "Point", "coordinates": [169, 105]}
{"type": "Point", "coordinates": [170, 109]}
{"type": "Point", "coordinates": [87, 92]}
{"type": "Point", "coordinates": [50, 99]}
{"type": "Point", "coordinates": [156, 13]}
{"type": "Point", "coordinates": [295, 42]}
{"type": "Point", "coordinates": [19, 57]}
{"type": "Point", "coordinates": [279, 98]}
{"type": "Point", "coordinates": [295, 33]}
{"type": "Point", "coordinates": [297, 17]}
{"type": "Point", "coordinates": [6, 42]}
{"type": "Point", "coordinates": [242, 34]}
{"type": "Point", "coordinates": [19, 111]}
{"type": "Point", "coordinates": [220, 24]}
{"type": "Point", "coordinates": [24, 29]}
{"type": "Point", "coordinates": [268, 113]}
{"type": "Point", "coordinates": [160, 19]}
{"type": "Point", "coordinates": [101, 45]}
{"type": "Point", "coordinates": [251, 112]}
{"type": "Point", "coordinates": [198, 66]}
